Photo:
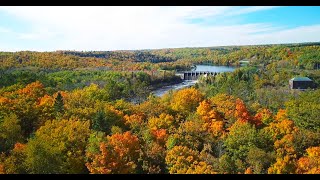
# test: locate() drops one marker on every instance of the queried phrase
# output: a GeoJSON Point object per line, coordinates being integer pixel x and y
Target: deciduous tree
{"type": "Point", "coordinates": [118, 155]}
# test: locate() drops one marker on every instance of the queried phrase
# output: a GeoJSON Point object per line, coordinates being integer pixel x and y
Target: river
{"type": "Point", "coordinates": [189, 83]}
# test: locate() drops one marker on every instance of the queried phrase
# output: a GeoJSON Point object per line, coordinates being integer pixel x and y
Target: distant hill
{"type": "Point", "coordinates": [304, 55]}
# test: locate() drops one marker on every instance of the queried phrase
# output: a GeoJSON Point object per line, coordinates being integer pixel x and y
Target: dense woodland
{"type": "Point", "coordinates": [93, 112]}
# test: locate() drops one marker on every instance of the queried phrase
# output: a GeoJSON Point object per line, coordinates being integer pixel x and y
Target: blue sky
{"type": "Point", "coordinates": [118, 28]}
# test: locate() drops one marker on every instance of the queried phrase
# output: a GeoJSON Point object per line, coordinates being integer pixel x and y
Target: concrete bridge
{"type": "Point", "coordinates": [194, 75]}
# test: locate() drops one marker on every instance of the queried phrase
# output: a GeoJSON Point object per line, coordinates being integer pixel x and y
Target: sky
{"type": "Point", "coordinates": [81, 28]}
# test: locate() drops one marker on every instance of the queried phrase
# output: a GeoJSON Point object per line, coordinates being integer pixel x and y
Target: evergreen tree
{"type": "Point", "coordinates": [99, 121]}
{"type": "Point", "coordinates": [58, 104]}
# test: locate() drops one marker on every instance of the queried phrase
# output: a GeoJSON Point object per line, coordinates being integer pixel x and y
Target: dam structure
{"type": "Point", "coordinates": [194, 75]}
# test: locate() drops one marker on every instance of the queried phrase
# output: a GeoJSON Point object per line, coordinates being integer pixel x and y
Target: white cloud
{"type": "Point", "coordinates": [4, 30]}
{"type": "Point", "coordinates": [249, 10]}
{"type": "Point", "coordinates": [294, 35]}
{"type": "Point", "coordinates": [111, 28]}
{"type": "Point", "coordinates": [38, 34]}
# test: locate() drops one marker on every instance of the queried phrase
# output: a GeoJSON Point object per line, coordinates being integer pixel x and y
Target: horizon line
{"type": "Point", "coordinates": [152, 49]}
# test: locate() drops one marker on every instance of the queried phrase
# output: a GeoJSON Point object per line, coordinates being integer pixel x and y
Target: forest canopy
{"type": "Point", "coordinates": [94, 112]}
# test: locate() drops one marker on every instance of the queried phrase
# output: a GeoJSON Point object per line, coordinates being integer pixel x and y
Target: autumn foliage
{"type": "Point", "coordinates": [72, 112]}
{"type": "Point", "coordinates": [310, 164]}
{"type": "Point", "coordinates": [118, 155]}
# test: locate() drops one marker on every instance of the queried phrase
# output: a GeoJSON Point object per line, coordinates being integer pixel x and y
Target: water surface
{"type": "Point", "coordinates": [188, 83]}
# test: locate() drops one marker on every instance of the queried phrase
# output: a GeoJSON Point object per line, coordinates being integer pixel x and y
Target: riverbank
{"type": "Point", "coordinates": [166, 82]}
{"type": "Point", "coordinates": [165, 89]}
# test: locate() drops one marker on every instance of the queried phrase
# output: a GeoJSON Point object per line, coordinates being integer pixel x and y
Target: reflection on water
{"type": "Point", "coordinates": [214, 68]}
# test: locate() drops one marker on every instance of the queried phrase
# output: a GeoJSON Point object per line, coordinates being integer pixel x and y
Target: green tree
{"type": "Point", "coordinates": [14, 162]}
{"type": "Point", "coordinates": [259, 160]}
{"type": "Point", "coordinates": [10, 132]}
{"type": "Point", "coordinates": [241, 138]}
{"type": "Point", "coordinates": [99, 121]}
{"type": "Point", "coordinates": [305, 110]}
{"type": "Point", "coordinates": [59, 104]}
{"type": "Point", "coordinates": [106, 118]}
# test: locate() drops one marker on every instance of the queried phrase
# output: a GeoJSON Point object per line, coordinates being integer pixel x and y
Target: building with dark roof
{"type": "Point", "coordinates": [300, 83]}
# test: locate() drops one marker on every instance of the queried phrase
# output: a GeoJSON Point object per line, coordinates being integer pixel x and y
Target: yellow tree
{"type": "Point", "coordinates": [281, 131]}
{"type": "Point", "coordinates": [152, 107]}
{"type": "Point", "coordinates": [182, 160]}
{"type": "Point", "coordinates": [164, 121]}
{"type": "Point", "coordinates": [82, 102]}
{"type": "Point", "coordinates": [226, 105]}
{"type": "Point", "coordinates": [58, 147]}
{"type": "Point", "coordinates": [285, 156]}
{"type": "Point", "coordinates": [310, 164]}
{"type": "Point", "coordinates": [213, 122]}
{"type": "Point", "coordinates": [207, 112]}
{"type": "Point", "coordinates": [281, 126]}
{"type": "Point", "coordinates": [134, 121]}
{"type": "Point", "coordinates": [45, 107]}
{"type": "Point", "coordinates": [186, 100]}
